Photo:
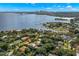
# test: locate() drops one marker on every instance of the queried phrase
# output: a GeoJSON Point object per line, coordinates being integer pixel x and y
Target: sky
{"type": "Point", "coordinates": [24, 7]}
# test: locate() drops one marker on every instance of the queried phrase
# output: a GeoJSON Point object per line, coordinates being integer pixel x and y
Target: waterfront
{"type": "Point", "coordinates": [16, 21]}
{"type": "Point", "coordinates": [37, 35]}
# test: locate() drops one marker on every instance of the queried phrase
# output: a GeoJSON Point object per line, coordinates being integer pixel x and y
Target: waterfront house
{"type": "Point", "coordinates": [75, 21]}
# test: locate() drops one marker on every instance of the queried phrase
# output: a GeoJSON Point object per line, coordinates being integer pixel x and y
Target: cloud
{"type": "Point", "coordinates": [48, 8]}
{"type": "Point", "coordinates": [58, 6]}
{"type": "Point", "coordinates": [69, 6]}
{"type": "Point", "coordinates": [76, 9]}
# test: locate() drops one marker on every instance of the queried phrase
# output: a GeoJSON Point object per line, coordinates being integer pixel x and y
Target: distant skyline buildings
{"type": "Point", "coordinates": [24, 7]}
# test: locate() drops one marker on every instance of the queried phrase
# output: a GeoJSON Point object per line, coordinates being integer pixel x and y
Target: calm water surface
{"type": "Point", "coordinates": [10, 21]}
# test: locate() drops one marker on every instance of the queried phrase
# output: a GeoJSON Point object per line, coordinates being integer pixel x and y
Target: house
{"type": "Point", "coordinates": [75, 21]}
